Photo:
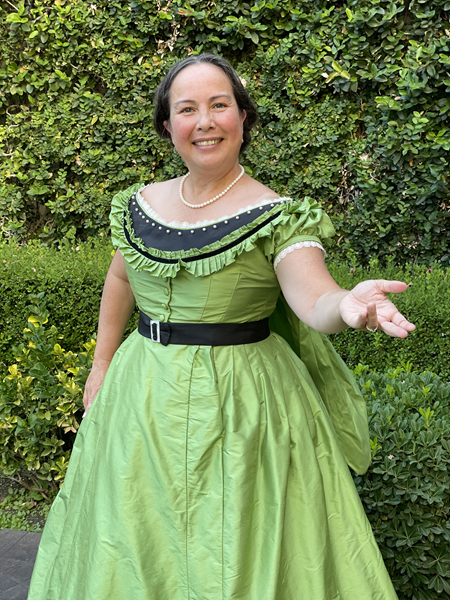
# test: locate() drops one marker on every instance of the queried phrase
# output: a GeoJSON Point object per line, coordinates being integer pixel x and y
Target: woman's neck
{"type": "Point", "coordinates": [203, 185]}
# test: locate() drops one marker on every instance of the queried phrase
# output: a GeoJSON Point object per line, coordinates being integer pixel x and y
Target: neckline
{"type": "Point", "coordinates": [150, 212]}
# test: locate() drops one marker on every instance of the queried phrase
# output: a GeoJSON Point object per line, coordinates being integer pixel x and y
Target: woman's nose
{"type": "Point", "coordinates": [205, 120]}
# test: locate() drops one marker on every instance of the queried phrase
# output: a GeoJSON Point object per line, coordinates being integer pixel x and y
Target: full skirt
{"type": "Point", "coordinates": [208, 473]}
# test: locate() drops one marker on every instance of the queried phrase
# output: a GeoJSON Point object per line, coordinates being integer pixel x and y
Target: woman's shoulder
{"type": "Point", "coordinates": [259, 192]}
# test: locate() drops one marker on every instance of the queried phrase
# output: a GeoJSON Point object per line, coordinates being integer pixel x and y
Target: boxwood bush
{"type": "Point", "coordinates": [68, 281]}
{"type": "Point", "coordinates": [426, 303]}
{"type": "Point", "coordinates": [405, 492]}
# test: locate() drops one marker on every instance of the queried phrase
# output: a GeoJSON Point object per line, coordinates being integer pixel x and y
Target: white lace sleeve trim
{"type": "Point", "coordinates": [296, 246]}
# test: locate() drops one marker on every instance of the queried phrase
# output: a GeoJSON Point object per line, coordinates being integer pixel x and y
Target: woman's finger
{"type": "Point", "coordinates": [361, 321]}
{"type": "Point", "coordinates": [86, 402]}
{"type": "Point", "coordinates": [372, 318]}
{"type": "Point", "coordinates": [87, 406]}
{"type": "Point", "coordinates": [391, 287]}
{"type": "Point", "coordinates": [393, 330]}
{"type": "Point", "coordinates": [399, 320]}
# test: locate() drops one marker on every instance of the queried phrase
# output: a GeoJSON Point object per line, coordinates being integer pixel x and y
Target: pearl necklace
{"type": "Point", "coordinates": [212, 199]}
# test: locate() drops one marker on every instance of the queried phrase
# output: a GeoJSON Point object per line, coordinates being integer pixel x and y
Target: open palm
{"type": "Point", "coordinates": [366, 305]}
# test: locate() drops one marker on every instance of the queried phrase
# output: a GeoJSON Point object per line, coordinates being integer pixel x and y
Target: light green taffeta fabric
{"type": "Point", "coordinates": [217, 473]}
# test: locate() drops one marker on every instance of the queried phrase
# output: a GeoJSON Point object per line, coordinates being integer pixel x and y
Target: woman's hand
{"type": "Point", "coordinates": [94, 382]}
{"type": "Point", "coordinates": [366, 306]}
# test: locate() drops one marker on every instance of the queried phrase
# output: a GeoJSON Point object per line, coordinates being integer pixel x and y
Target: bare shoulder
{"type": "Point", "coordinates": [157, 188]}
{"type": "Point", "coordinates": [260, 192]}
{"type": "Point", "coordinates": [162, 194]}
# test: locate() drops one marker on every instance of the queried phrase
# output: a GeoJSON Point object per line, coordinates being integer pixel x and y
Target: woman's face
{"type": "Point", "coordinates": [206, 124]}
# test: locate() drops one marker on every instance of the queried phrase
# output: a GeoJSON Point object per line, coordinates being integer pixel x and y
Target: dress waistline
{"type": "Point", "coordinates": [203, 334]}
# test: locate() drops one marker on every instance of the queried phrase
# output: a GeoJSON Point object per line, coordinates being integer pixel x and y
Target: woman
{"type": "Point", "coordinates": [208, 467]}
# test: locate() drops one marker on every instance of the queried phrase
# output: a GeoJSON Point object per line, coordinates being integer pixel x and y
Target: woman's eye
{"type": "Point", "coordinates": [187, 109]}
{"type": "Point", "coordinates": [219, 105]}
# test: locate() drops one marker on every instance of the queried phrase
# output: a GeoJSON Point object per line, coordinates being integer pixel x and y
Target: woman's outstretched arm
{"type": "Point", "coordinates": [115, 310]}
{"type": "Point", "coordinates": [319, 302]}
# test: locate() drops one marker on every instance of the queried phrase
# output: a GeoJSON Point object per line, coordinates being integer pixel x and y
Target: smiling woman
{"type": "Point", "coordinates": [213, 459]}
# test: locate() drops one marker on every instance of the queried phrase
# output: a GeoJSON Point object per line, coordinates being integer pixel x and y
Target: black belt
{"type": "Point", "coordinates": [203, 334]}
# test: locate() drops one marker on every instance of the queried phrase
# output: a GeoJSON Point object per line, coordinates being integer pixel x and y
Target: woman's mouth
{"type": "Point", "coordinates": [208, 142]}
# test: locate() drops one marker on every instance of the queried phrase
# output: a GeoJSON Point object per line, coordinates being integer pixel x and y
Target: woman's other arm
{"type": "Point", "coordinates": [319, 302]}
{"type": "Point", "coordinates": [115, 310]}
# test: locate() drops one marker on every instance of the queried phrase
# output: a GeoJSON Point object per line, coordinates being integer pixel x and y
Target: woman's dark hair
{"type": "Point", "coordinates": [244, 102]}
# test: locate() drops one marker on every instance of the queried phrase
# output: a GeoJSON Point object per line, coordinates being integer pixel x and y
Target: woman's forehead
{"type": "Point", "coordinates": [200, 78]}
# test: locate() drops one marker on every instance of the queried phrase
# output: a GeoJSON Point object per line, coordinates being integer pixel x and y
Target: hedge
{"type": "Point", "coordinates": [405, 493]}
{"type": "Point", "coordinates": [69, 281]}
{"type": "Point", "coordinates": [353, 98]}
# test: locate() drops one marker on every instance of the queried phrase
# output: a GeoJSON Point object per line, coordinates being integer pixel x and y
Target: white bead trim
{"type": "Point", "coordinates": [296, 246]}
{"type": "Point", "coordinates": [185, 225]}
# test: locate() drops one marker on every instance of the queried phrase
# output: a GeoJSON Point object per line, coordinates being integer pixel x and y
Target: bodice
{"type": "Point", "coordinates": [245, 290]}
{"type": "Point", "coordinates": [216, 272]}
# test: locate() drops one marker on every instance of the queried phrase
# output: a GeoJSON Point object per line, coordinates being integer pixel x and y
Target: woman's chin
{"type": "Point", "coordinates": [214, 156]}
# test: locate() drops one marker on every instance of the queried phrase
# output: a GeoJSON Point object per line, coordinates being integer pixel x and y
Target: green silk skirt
{"type": "Point", "coordinates": [208, 473]}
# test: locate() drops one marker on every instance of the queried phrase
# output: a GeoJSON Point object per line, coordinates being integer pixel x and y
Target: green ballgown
{"type": "Point", "coordinates": [216, 472]}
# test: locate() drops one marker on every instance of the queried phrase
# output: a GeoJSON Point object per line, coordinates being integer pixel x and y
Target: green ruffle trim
{"type": "Point", "coordinates": [298, 218]}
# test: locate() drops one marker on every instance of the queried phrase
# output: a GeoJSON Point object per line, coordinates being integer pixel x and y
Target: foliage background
{"type": "Point", "coordinates": [353, 98]}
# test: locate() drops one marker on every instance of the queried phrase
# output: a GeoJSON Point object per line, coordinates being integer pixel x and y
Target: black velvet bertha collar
{"type": "Point", "coordinates": [157, 235]}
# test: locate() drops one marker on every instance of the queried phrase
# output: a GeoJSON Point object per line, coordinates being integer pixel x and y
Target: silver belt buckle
{"type": "Point", "coordinates": [155, 331]}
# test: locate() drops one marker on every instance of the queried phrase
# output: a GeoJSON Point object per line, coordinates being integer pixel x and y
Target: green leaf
{"type": "Point", "coordinates": [16, 18]}
{"type": "Point", "coordinates": [38, 370]}
{"type": "Point", "coordinates": [331, 77]}
{"type": "Point", "coordinates": [336, 66]}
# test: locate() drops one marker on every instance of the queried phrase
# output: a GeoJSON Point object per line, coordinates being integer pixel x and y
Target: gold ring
{"type": "Point", "coordinates": [372, 330]}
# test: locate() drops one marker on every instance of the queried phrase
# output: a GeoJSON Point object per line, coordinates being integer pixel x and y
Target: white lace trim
{"type": "Point", "coordinates": [185, 225]}
{"type": "Point", "coordinates": [296, 246]}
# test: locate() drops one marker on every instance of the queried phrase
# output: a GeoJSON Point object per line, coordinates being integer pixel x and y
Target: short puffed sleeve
{"type": "Point", "coordinates": [301, 224]}
{"type": "Point", "coordinates": [119, 206]}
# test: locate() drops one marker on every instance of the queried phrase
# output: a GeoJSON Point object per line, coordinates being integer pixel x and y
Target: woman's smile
{"type": "Point", "coordinates": [207, 143]}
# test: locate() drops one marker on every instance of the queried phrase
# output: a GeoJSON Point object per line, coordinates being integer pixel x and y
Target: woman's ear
{"type": "Point", "coordinates": [167, 126]}
{"type": "Point", "coordinates": [243, 115]}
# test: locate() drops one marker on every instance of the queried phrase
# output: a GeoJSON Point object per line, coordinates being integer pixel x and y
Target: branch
{"type": "Point", "coordinates": [29, 488]}
{"type": "Point", "coordinates": [10, 3]}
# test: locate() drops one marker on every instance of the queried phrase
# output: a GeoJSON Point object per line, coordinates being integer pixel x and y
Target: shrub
{"type": "Point", "coordinates": [40, 406]}
{"type": "Point", "coordinates": [68, 281]}
{"type": "Point", "coordinates": [353, 98]}
{"type": "Point", "coordinates": [406, 493]}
